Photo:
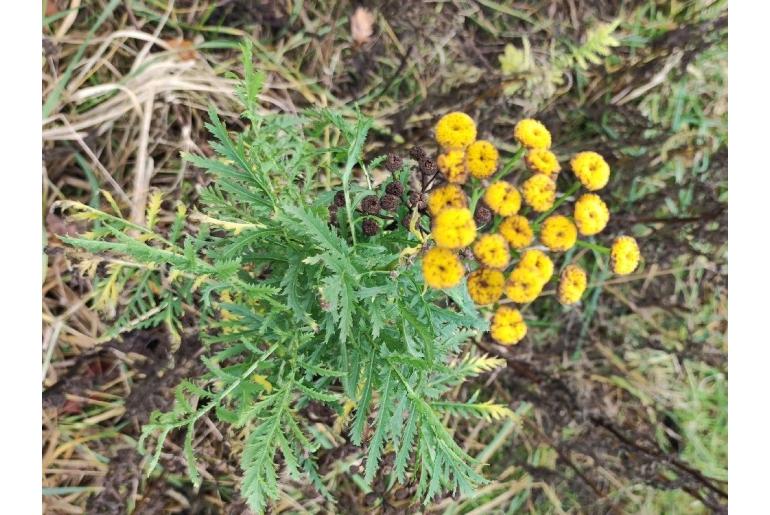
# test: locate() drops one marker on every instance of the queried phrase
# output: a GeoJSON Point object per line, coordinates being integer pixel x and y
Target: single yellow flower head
{"type": "Point", "coordinates": [516, 231]}
{"type": "Point", "coordinates": [591, 214]}
{"type": "Point", "coordinates": [524, 285]}
{"type": "Point", "coordinates": [532, 134]}
{"type": "Point", "coordinates": [491, 250]}
{"type": "Point", "coordinates": [481, 159]}
{"type": "Point", "coordinates": [448, 195]}
{"type": "Point", "coordinates": [503, 198]}
{"type": "Point", "coordinates": [452, 165]}
{"type": "Point", "coordinates": [572, 284]}
{"type": "Point", "coordinates": [558, 233]}
{"type": "Point", "coordinates": [541, 160]}
{"type": "Point", "coordinates": [539, 192]}
{"type": "Point", "coordinates": [442, 268]}
{"type": "Point", "coordinates": [455, 131]}
{"type": "Point", "coordinates": [508, 326]}
{"type": "Point", "coordinates": [538, 261]}
{"type": "Point", "coordinates": [591, 170]}
{"type": "Point", "coordinates": [485, 286]}
{"type": "Point", "coordinates": [625, 255]}
{"type": "Point", "coordinates": [454, 228]}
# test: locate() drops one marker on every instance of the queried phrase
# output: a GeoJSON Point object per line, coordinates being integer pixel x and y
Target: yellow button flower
{"type": "Point", "coordinates": [558, 233]}
{"type": "Point", "coordinates": [455, 131]}
{"type": "Point", "coordinates": [448, 195]}
{"type": "Point", "coordinates": [503, 198]}
{"type": "Point", "coordinates": [523, 285]}
{"type": "Point", "coordinates": [572, 284]}
{"type": "Point", "coordinates": [591, 170]}
{"type": "Point", "coordinates": [541, 160]}
{"type": "Point", "coordinates": [539, 192]}
{"type": "Point", "coordinates": [454, 228]}
{"type": "Point", "coordinates": [485, 286]}
{"type": "Point", "coordinates": [452, 165]}
{"type": "Point", "coordinates": [516, 231]}
{"type": "Point", "coordinates": [481, 159]}
{"type": "Point", "coordinates": [532, 134]}
{"type": "Point", "coordinates": [508, 327]}
{"type": "Point", "coordinates": [538, 261]}
{"type": "Point", "coordinates": [624, 255]}
{"type": "Point", "coordinates": [491, 250]}
{"type": "Point", "coordinates": [442, 268]}
{"type": "Point", "coordinates": [591, 214]}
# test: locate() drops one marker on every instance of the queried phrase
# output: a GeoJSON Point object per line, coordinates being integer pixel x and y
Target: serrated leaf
{"type": "Point", "coordinates": [488, 410]}
{"type": "Point", "coordinates": [153, 208]}
{"type": "Point", "coordinates": [376, 443]}
{"type": "Point", "coordinates": [362, 407]}
{"type": "Point", "coordinates": [189, 454]}
{"type": "Point", "coordinates": [405, 446]}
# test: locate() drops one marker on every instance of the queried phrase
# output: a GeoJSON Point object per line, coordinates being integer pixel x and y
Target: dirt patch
{"type": "Point", "coordinates": [620, 443]}
{"type": "Point", "coordinates": [156, 374]}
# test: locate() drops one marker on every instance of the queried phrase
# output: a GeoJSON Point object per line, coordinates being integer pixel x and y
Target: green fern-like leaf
{"type": "Point", "coordinates": [598, 44]}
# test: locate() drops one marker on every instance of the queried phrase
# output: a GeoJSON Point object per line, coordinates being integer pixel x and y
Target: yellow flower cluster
{"type": "Point", "coordinates": [591, 170]}
{"type": "Point", "coordinates": [449, 195]}
{"type": "Point", "coordinates": [506, 264]}
{"type": "Point", "coordinates": [463, 155]}
{"type": "Point", "coordinates": [539, 192]}
{"type": "Point", "coordinates": [503, 198]}
{"type": "Point", "coordinates": [532, 134]}
{"type": "Point", "coordinates": [481, 159]}
{"type": "Point", "coordinates": [572, 284]}
{"type": "Point", "coordinates": [558, 233]}
{"type": "Point", "coordinates": [541, 160]}
{"type": "Point", "coordinates": [508, 327]}
{"type": "Point", "coordinates": [524, 285]}
{"type": "Point", "coordinates": [538, 261]}
{"type": "Point", "coordinates": [527, 280]}
{"type": "Point", "coordinates": [485, 286]}
{"type": "Point", "coordinates": [516, 231]}
{"type": "Point", "coordinates": [492, 250]}
{"type": "Point", "coordinates": [591, 214]}
{"type": "Point", "coordinates": [624, 255]}
{"type": "Point", "coordinates": [455, 131]}
{"type": "Point", "coordinates": [454, 228]}
{"type": "Point", "coordinates": [452, 165]}
{"type": "Point", "coordinates": [442, 268]}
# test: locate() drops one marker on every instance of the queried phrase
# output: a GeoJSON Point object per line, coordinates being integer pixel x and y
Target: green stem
{"type": "Point", "coordinates": [593, 246]}
{"type": "Point", "coordinates": [561, 200]}
{"type": "Point", "coordinates": [509, 165]}
{"type": "Point", "coordinates": [477, 193]}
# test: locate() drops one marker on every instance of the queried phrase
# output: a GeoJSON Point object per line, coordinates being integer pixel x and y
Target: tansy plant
{"type": "Point", "coordinates": [306, 302]}
{"type": "Point", "coordinates": [312, 286]}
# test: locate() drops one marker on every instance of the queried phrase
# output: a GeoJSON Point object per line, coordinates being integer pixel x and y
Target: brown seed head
{"type": "Point", "coordinates": [339, 198]}
{"type": "Point", "coordinates": [370, 227]}
{"type": "Point", "coordinates": [428, 167]}
{"type": "Point", "coordinates": [395, 188]}
{"type": "Point", "coordinates": [393, 163]}
{"type": "Point", "coordinates": [390, 202]}
{"type": "Point", "coordinates": [371, 205]}
{"type": "Point", "coordinates": [482, 215]}
{"type": "Point", "coordinates": [417, 153]}
{"type": "Point", "coordinates": [420, 200]}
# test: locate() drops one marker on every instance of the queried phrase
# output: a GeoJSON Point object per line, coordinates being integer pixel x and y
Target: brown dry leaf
{"type": "Point", "coordinates": [361, 25]}
{"type": "Point", "coordinates": [186, 49]}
